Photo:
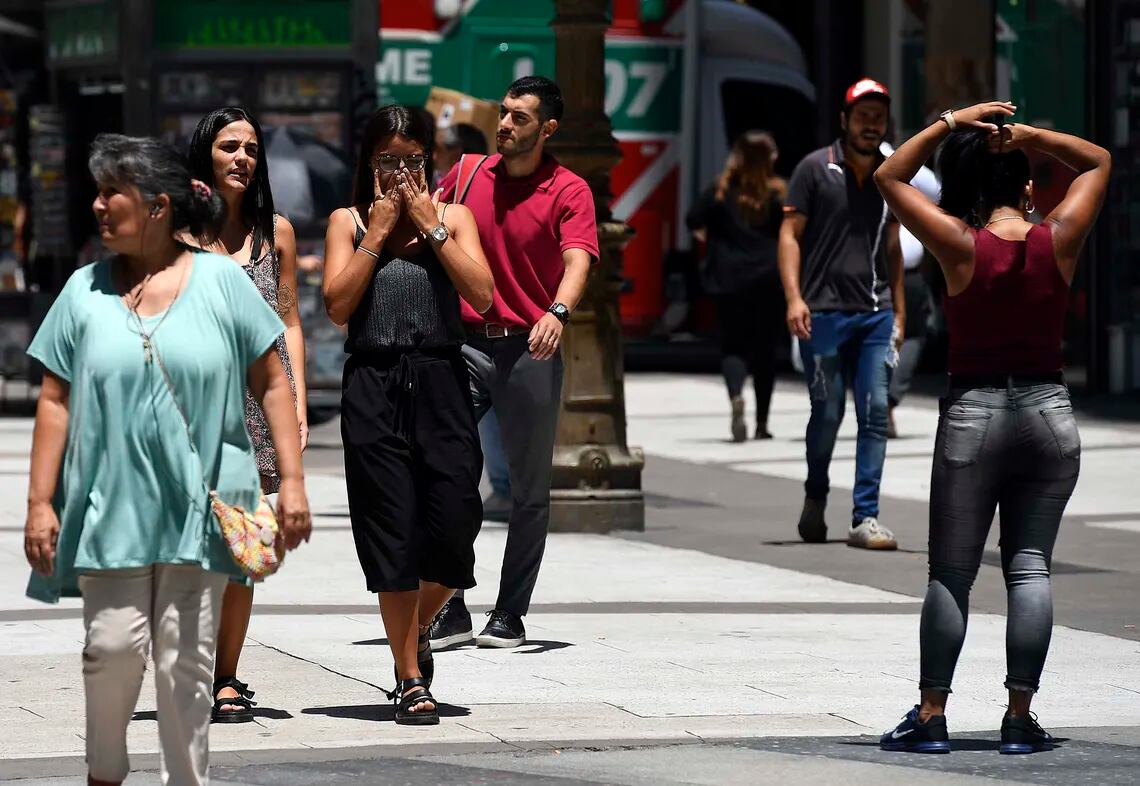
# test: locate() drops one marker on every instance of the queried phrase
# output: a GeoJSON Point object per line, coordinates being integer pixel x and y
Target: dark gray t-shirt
{"type": "Point", "coordinates": [843, 248]}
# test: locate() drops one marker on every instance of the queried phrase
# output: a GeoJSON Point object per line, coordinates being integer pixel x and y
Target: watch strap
{"type": "Point", "coordinates": [948, 116]}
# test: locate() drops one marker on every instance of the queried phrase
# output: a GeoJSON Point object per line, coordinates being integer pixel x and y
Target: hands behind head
{"type": "Point", "coordinates": [1002, 139]}
{"type": "Point", "coordinates": [980, 115]}
{"type": "Point", "coordinates": [423, 208]}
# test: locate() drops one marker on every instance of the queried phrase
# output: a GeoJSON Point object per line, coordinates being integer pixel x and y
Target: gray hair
{"type": "Point", "coordinates": [156, 168]}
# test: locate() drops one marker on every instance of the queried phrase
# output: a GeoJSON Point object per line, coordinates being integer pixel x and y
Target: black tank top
{"type": "Point", "coordinates": [410, 304]}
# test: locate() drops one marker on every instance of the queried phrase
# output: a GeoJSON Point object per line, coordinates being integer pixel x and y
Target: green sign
{"type": "Point", "coordinates": [643, 85]}
{"type": "Point", "coordinates": [1041, 59]}
{"type": "Point", "coordinates": [82, 31]}
{"type": "Point", "coordinates": [252, 24]}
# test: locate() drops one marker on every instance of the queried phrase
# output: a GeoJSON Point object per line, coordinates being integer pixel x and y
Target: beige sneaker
{"type": "Point", "coordinates": [739, 429]}
{"type": "Point", "coordinates": [871, 535]}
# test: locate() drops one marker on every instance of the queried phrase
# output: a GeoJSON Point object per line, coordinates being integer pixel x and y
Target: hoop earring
{"type": "Point", "coordinates": [1030, 207]}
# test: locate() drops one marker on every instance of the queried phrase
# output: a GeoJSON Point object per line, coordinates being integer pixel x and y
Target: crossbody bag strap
{"type": "Point", "coordinates": [182, 414]}
{"type": "Point", "coordinates": [465, 186]}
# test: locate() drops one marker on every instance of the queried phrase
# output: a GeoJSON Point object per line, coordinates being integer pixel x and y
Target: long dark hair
{"type": "Point", "coordinates": [385, 122]}
{"type": "Point", "coordinates": [257, 203]}
{"type": "Point", "coordinates": [748, 172]}
{"type": "Point", "coordinates": [155, 168]}
{"type": "Point", "coordinates": [975, 181]}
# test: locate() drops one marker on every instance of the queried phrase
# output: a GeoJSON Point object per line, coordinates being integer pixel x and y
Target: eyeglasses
{"type": "Point", "coordinates": [391, 164]}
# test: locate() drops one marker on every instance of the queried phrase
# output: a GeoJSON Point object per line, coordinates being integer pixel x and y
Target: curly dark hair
{"type": "Point", "coordinates": [976, 181]}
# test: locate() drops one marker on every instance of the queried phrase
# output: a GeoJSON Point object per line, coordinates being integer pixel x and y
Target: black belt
{"type": "Point", "coordinates": [487, 330]}
{"type": "Point", "coordinates": [958, 381]}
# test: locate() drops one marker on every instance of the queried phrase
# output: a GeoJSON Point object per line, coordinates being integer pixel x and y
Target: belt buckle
{"type": "Point", "coordinates": [496, 331]}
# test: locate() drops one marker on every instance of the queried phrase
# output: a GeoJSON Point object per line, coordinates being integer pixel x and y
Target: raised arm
{"type": "Point", "coordinates": [461, 254]}
{"type": "Point", "coordinates": [1074, 217]}
{"type": "Point", "coordinates": [946, 237]}
{"type": "Point", "coordinates": [348, 270]}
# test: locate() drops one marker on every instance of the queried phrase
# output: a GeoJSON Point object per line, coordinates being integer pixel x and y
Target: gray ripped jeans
{"type": "Point", "coordinates": [1016, 450]}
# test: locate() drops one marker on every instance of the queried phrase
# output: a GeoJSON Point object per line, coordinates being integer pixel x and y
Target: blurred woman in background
{"type": "Point", "coordinates": [739, 217]}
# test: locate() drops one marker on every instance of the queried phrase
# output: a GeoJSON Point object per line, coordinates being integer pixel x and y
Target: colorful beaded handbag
{"type": "Point", "coordinates": [253, 538]}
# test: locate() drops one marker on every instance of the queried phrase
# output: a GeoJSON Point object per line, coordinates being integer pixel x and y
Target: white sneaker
{"type": "Point", "coordinates": [871, 535]}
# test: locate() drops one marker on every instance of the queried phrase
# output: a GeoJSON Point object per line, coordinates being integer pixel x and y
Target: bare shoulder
{"type": "Point", "coordinates": [342, 218]}
{"type": "Point", "coordinates": [456, 214]}
{"type": "Point", "coordinates": [285, 230]}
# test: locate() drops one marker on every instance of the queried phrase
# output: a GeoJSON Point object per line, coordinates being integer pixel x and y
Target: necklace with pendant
{"type": "Point", "coordinates": [147, 337]}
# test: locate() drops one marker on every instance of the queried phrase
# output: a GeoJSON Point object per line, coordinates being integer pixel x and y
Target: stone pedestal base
{"type": "Point", "coordinates": [596, 488]}
{"type": "Point", "coordinates": [599, 510]}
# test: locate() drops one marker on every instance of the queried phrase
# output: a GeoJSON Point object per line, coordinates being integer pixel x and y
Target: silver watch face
{"type": "Point", "coordinates": [440, 233]}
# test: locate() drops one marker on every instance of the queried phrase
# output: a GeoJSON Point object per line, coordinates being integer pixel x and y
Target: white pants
{"type": "Point", "coordinates": [174, 610]}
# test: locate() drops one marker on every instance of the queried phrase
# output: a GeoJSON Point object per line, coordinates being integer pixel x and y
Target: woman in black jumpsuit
{"type": "Point", "coordinates": [396, 264]}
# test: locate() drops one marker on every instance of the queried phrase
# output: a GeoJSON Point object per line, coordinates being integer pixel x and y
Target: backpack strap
{"type": "Point", "coordinates": [463, 184]}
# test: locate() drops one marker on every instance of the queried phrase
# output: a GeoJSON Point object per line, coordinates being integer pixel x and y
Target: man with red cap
{"type": "Point", "coordinates": [842, 273]}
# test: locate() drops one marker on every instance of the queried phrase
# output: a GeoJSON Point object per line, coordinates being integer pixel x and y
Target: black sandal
{"type": "Point", "coordinates": [424, 657]}
{"type": "Point", "coordinates": [244, 701]}
{"type": "Point", "coordinates": [408, 694]}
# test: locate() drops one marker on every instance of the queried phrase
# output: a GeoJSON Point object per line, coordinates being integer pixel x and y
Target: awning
{"type": "Point", "coordinates": [8, 27]}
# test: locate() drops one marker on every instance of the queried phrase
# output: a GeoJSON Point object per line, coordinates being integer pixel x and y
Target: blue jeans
{"type": "Point", "coordinates": [494, 456]}
{"type": "Point", "coordinates": [848, 350]}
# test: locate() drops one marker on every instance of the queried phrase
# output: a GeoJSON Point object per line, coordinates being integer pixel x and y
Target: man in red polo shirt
{"type": "Point", "coordinates": [537, 225]}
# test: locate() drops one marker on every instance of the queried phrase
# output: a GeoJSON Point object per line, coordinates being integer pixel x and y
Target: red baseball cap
{"type": "Point", "coordinates": [867, 88]}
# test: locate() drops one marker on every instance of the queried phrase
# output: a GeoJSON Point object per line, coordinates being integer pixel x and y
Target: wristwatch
{"type": "Point", "coordinates": [948, 116]}
{"type": "Point", "coordinates": [439, 234]}
{"type": "Point", "coordinates": [560, 312]}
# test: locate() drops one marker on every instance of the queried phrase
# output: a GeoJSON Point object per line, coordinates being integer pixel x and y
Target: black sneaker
{"type": "Point", "coordinates": [1024, 735]}
{"type": "Point", "coordinates": [451, 626]}
{"type": "Point", "coordinates": [812, 527]}
{"type": "Point", "coordinates": [504, 630]}
{"type": "Point", "coordinates": [913, 736]}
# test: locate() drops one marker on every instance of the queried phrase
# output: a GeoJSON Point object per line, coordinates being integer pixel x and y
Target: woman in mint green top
{"type": "Point", "coordinates": [117, 504]}
{"type": "Point", "coordinates": [131, 493]}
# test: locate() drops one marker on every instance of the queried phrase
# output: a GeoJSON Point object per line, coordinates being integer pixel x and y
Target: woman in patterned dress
{"type": "Point", "coordinates": [227, 153]}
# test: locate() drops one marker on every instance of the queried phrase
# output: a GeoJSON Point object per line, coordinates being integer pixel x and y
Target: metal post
{"type": "Point", "coordinates": [136, 27]}
{"type": "Point", "coordinates": [690, 114]}
{"type": "Point", "coordinates": [596, 484]}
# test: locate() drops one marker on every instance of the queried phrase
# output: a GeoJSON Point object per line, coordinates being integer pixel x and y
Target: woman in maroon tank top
{"type": "Point", "coordinates": [1007, 440]}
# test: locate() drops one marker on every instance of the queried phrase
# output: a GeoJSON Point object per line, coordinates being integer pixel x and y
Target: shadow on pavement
{"type": "Point", "coordinates": [380, 712]}
{"type": "Point", "coordinates": [258, 712]}
{"type": "Point", "coordinates": [957, 744]}
{"type": "Point", "coordinates": [535, 647]}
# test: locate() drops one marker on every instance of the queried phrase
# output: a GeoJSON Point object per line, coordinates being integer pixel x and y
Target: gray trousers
{"type": "Point", "coordinates": [1017, 451]}
{"type": "Point", "coordinates": [526, 395]}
